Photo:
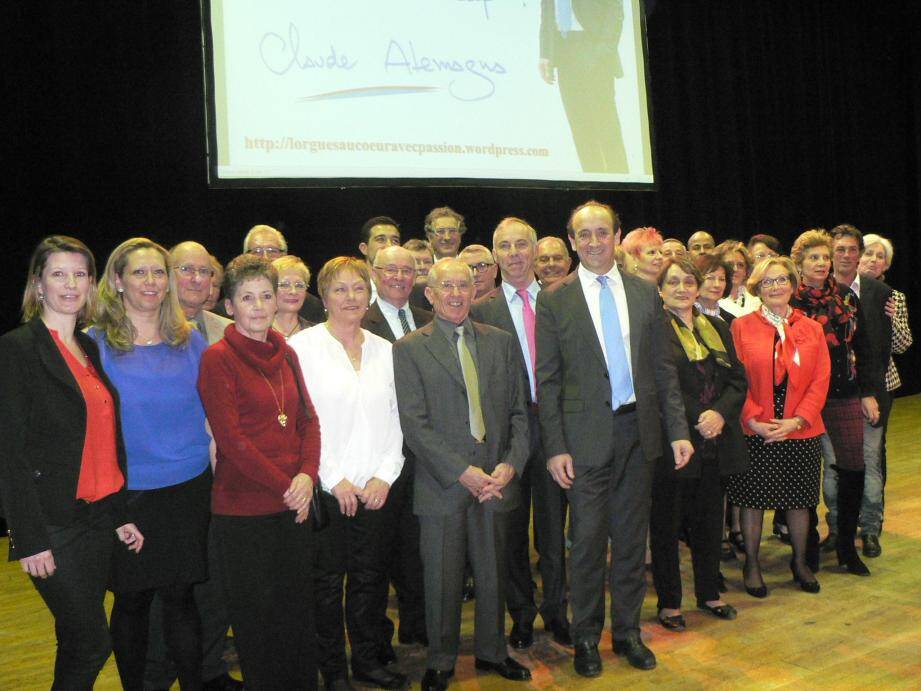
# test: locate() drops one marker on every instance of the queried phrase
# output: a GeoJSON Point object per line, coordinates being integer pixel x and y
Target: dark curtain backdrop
{"type": "Point", "coordinates": [768, 117]}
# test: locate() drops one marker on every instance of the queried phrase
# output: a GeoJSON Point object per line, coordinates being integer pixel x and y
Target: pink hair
{"type": "Point", "coordinates": [634, 241]}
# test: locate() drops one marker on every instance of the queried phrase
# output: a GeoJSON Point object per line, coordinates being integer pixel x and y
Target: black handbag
{"type": "Point", "coordinates": [319, 516]}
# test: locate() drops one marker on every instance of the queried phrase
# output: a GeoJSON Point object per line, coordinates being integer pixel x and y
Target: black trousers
{"type": "Point", "coordinates": [265, 564]}
{"type": "Point", "coordinates": [610, 501]}
{"type": "Point", "coordinates": [698, 504]}
{"type": "Point", "coordinates": [350, 550]}
{"type": "Point", "coordinates": [538, 489]}
{"type": "Point", "coordinates": [75, 596]}
{"type": "Point", "coordinates": [160, 672]}
{"type": "Point", "coordinates": [403, 563]}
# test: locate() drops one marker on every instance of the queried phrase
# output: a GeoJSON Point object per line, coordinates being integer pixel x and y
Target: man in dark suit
{"type": "Point", "coordinates": [873, 294]}
{"type": "Point", "coordinates": [392, 317]}
{"type": "Point", "coordinates": [578, 44]}
{"type": "Point", "coordinates": [511, 308]}
{"type": "Point", "coordinates": [460, 392]}
{"type": "Point", "coordinates": [606, 386]}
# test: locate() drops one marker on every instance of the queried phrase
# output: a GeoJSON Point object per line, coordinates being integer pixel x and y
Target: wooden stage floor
{"type": "Point", "coordinates": [856, 634]}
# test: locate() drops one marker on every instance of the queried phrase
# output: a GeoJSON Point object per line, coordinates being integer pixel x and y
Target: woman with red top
{"type": "Point", "coordinates": [788, 369]}
{"type": "Point", "coordinates": [62, 472]}
{"type": "Point", "coordinates": [268, 451]}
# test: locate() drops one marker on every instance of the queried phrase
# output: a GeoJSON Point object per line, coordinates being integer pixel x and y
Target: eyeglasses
{"type": "Point", "coordinates": [448, 286]}
{"type": "Point", "coordinates": [266, 251]}
{"type": "Point", "coordinates": [394, 271]}
{"type": "Point", "coordinates": [445, 232]}
{"type": "Point", "coordinates": [298, 286]}
{"type": "Point", "coordinates": [480, 267]}
{"type": "Point", "coordinates": [780, 281]}
{"type": "Point", "coordinates": [189, 271]}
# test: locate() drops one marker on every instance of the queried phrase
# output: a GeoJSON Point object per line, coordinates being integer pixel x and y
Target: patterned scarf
{"type": "Point", "coordinates": [837, 315]}
{"type": "Point", "coordinates": [785, 355]}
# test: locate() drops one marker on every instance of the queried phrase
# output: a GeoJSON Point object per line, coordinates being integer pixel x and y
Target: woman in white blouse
{"type": "Point", "coordinates": [738, 302]}
{"type": "Point", "coordinates": [349, 373]}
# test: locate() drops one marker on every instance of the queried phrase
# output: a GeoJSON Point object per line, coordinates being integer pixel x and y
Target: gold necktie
{"type": "Point", "coordinates": [472, 382]}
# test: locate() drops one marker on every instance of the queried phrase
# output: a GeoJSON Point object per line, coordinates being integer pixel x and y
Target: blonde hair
{"type": "Point", "coordinates": [806, 241]}
{"type": "Point", "coordinates": [339, 265]}
{"type": "Point", "coordinates": [727, 247]}
{"type": "Point", "coordinates": [753, 284]}
{"type": "Point", "coordinates": [111, 317]}
{"type": "Point", "coordinates": [31, 303]}
{"type": "Point", "coordinates": [289, 261]}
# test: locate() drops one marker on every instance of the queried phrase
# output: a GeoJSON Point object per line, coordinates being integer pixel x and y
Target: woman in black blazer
{"type": "Point", "coordinates": [713, 388]}
{"type": "Point", "coordinates": [63, 467]}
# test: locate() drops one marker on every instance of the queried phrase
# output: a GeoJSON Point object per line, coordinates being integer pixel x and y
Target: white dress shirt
{"type": "Point", "coordinates": [592, 290]}
{"type": "Point", "coordinates": [515, 307]}
{"type": "Point", "coordinates": [360, 435]}
{"type": "Point", "coordinates": [392, 315]}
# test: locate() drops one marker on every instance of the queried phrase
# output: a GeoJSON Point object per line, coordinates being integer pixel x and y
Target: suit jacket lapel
{"type": "Point", "coordinates": [443, 351]}
{"type": "Point", "coordinates": [633, 298]}
{"type": "Point", "coordinates": [376, 318]}
{"type": "Point", "coordinates": [578, 307]}
{"type": "Point", "coordinates": [51, 357]}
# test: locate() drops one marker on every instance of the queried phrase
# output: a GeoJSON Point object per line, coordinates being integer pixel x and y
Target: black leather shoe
{"type": "Point", "coordinates": [830, 543]}
{"type": "Point", "coordinates": [413, 637]}
{"type": "Point", "coordinates": [674, 622]}
{"type": "Point", "coordinates": [587, 661]}
{"type": "Point", "coordinates": [469, 590]}
{"type": "Point", "coordinates": [381, 678]}
{"type": "Point", "coordinates": [560, 630]}
{"type": "Point", "coordinates": [759, 591]}
{"type": "Point", "coordinates": [871, 547]}
{"type": "Point", "coordinates": [637, 654]}
{"type": "Point", "coordinates": [806, 586]}
{"type": "Point", "coordinates": [386, 656]}
{"type": "Point", "coordinates": [727, 612]}
{"type": "Point", "coordinates": [522, 636]}
{"type": "Point", "coordinates": [436, 679]}
{"type": "Point", "coordinates": [508, 668]}
{"type": "Point", "coordinates": [225, 682]}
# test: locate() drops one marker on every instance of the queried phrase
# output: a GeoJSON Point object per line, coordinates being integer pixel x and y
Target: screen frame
{"type": "Point", "coordinates": [214, 181]}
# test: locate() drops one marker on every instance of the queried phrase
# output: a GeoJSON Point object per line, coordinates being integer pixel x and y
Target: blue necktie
{"type": "Point", "coordinates": [564, 16]}
{"type": "Point", "coordinates": [618, 370]}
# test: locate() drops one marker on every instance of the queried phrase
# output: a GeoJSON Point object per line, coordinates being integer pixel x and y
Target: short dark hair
{"type": "Point", "coordinates": [846, 230]}
{"type": "Point", "coordinates": [243, 268]}
{"type": "Point", "coordinates": [708, 263]}
{"type": "Point", "coordinates": [365, 232]}
{"type": "Point", "coordinates": [683, 263]}
{"type": "Point", "coordinates": [615, 219]}
{"type": "Point", "coordinates": [769, 240]}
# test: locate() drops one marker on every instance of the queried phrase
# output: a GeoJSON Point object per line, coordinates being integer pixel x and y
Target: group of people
{"type": "Point", "coordinates": [274, 461]}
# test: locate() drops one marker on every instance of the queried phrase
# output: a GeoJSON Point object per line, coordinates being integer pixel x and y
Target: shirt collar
{"type": "Point", "coordinates": [588, 278]}
{"type": "Point", "coordinates": [510, 291]}
{"type": "Point", "coordinates": [390, 310]}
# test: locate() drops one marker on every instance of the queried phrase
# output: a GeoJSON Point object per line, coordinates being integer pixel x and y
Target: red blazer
{"type": "Point", "coordinates": [807, 383]}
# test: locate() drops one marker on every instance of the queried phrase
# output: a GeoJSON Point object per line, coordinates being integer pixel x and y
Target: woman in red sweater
{"type": "Point", "coordinates": [788, 369]}
{"type": "Point", "coordinates": [268, 450]}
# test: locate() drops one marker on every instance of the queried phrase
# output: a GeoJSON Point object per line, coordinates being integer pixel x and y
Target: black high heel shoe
{"type": "Point", "coordinates": [759, 591]}
{"type": "Point", "coordinates": [735, 537]}
{"type": "Point", "coordinates": [806, 586]}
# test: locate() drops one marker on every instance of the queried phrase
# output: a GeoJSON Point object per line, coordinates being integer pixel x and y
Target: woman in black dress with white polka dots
{"type": "Point", "coordinates": [788, 368]}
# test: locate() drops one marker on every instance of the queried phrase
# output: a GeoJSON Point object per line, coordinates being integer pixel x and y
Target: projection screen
{"type": "Point", "coordinates": [542, 93]}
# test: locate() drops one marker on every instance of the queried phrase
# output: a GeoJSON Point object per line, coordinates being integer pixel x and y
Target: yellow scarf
{"type": "Point", "coordinates": [693, 348]}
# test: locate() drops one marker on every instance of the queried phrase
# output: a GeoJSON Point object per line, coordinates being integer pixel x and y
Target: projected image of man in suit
{"type": "Point", "coordinates": [578, 46]}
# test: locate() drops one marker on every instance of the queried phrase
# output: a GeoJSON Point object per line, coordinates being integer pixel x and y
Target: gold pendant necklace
{"type": "Point", "coordinates": [282, 418]}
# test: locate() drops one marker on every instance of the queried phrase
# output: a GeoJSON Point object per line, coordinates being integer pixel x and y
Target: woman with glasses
{"type": "Point", "coordinates": [151, 353]}
{"type": "Point", "coordinates": [850, 394]}
{"type": "Point", "coordinates": [763, 246]}
{"type": "Point", "coordinates": [349, 372]}
{"type": "Point", "coordinates": [787, 365]}
{"type": "Point", "coordinates": [738, 300]}
{"type": "Point", "coordinates": [293, 279]}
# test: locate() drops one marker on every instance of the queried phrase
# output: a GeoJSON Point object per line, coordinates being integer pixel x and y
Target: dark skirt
{"type": "Point", "coordinates": [843, 418]}
{"type": "Point", "coordinates": [174, 522]}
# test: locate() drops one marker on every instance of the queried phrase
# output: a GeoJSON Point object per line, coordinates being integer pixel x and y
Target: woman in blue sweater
{"type": "Point", "coordinates": [151, 354]}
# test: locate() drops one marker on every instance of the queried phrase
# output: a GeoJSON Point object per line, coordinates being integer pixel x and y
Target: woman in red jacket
{"type": "Point", "coordinates": [268, 450]}
{"type": "Point", "coordinates": [788, 369]}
